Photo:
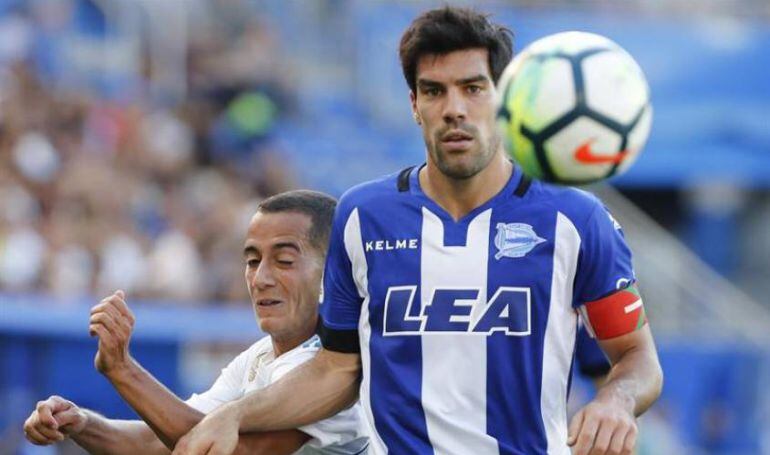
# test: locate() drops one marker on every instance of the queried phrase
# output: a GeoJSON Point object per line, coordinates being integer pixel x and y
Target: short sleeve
{"type": "Point", "coordinates": [226, 388]}
{"type": "Point", "coordinates": [341, 305]}
{"type": "Point", "coordinates": [605, 263]}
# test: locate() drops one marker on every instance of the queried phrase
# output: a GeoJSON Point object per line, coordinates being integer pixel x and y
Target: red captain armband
{"type": "Point", "coordinates": [617, 314]}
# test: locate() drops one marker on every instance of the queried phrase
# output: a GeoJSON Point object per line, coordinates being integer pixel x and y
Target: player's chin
{"type": "Point", "coordinates": [461, 166]}
{"type": "Point", "coordinates": [269, 324]}
{"type": "Point", "coordinates": [269, 312]}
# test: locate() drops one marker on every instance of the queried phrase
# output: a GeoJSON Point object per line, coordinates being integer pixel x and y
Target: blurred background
{"type": "Point", "coordinates": [136, 137]}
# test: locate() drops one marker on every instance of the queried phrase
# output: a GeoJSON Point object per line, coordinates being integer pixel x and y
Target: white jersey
{"type": "Point", "coordinates": [256, 368]}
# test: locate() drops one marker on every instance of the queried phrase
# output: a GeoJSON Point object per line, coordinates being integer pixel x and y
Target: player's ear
{"type": "Point", "coordinates": [413, 103]}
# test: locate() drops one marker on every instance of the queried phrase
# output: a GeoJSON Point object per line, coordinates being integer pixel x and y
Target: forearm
{"type": "Point", "coordinates": [117, 437]}
{"type": "Point", "coordinates": [272, 443]}
{"type": "Point", "coordinates": [316, 390]}
{"type": "Point", "coordinates": [169, 417]}
{"type": "Point", "coordinates": [635, 380]}
{"type": "Point", "coordinates": [129, 437]}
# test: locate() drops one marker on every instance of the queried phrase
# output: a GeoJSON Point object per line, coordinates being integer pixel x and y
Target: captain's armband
{"type": "Point", "coordinates": [616, 314]}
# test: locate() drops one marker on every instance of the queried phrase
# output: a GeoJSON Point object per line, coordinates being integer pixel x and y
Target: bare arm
{"type": "Point", "coordinates": [119, 437]}
{"type": "Point", "coordinates": [56, 419]}
{"type": "Point", "coordinates": [607, 424]}
{"type": "Point", "coordinates": [636, 377]}
{"type": "Point", "coordinates": [169, 417]}
{"type": "Point", "coordinates": [315, 390]}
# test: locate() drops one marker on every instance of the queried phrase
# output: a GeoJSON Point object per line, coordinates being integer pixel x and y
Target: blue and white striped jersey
{"type": "Point", "coordinates": [466, 328]}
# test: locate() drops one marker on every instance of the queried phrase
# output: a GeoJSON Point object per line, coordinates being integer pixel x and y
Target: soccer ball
{"type": "Point", "coordinates": [574, 108]}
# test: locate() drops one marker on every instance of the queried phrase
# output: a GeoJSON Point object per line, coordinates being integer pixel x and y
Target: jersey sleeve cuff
{"type": "Point", "coordinates": [338, 340]}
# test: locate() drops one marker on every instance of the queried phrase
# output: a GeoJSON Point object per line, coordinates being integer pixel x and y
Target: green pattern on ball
{"type": "Point", "coordinates": [521, 93]}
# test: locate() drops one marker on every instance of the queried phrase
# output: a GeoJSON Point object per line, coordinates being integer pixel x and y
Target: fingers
{"type": "Point", "coordinates": [72, 417]}
{"type": "Point", "coordinates": [603, 438]}
{"type": "Point", "coordinates": [630, 440]}
{"type": "Point", "coordinates": [574, 427]}
{"type": "Point", "coordinates": [40, 427]}
{"type": "Point", "coordinates": [45, 415]}
{"type": "Point", "coordinates": [186, 446]}
{"type": "Point", "coordinates": [36, 437]}
{"type": "Point", "coordinates": [116, 306]}
{"type": "Point", "coordinates": [113, 314]}
{"type": "Point", "coordinates": [106, 338]}
{"type": "Point", "coordinates": [597, 431]}
{"type": "Point", "coordinates": [107, 320]}
{"type": "Point", "coordinates": [585, 437]}
{"type": "Point", "coordinates": [59, 404]}
{"type": "Point", "coordinates": [50, 434]}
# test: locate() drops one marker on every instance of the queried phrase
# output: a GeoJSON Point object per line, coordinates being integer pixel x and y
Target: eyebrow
{"type": "Point", "coordinates": [428, 83]}
{"type": "Point", "coordinates": [251, 249]}
{"type": "Point", "coordinates": [467, 80]}
{"type": "Point", "coordinates": [472, 79]}
{"type": "Point", "coordinates": [281, 245]}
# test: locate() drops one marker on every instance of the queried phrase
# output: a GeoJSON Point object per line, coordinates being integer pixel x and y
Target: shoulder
{"type": "Point", "coordinates": [297, 356]}
{"type": "Point", "coordinates": [303, 352]}
{"type": "Point", "coordinates": [576, 204]}
{"type": "Point", "coordinates": [370, 193]}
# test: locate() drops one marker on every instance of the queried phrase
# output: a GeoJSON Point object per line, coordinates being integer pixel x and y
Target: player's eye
{"type": "Point", "coordinates": [252, 262]}
{"type": "Point", "coordinates": [473, 89]}
{"type": "Point", "coordinates": [432, 91]}
{"type": "Point", "coordinates": [285, 261]}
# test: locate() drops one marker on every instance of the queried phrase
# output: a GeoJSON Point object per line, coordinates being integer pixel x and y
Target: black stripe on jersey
{"type": "Point", "coordinates": [523, 186]}
{"type": "Point", "coordinates": [345, 341]}
{"type": "Point", "coordinates": [403, 179]}
{"type": "Point", "coordinates": [402, 183]}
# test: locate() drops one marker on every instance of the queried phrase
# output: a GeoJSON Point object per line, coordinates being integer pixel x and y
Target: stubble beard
{"type": "Point", "coordinates": [457, 171]}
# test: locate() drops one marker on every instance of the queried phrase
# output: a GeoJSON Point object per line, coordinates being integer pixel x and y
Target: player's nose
{"type": "Point", "coordinates": [263, 277]}
{"type": "Point", "coordinates": [454, 108]}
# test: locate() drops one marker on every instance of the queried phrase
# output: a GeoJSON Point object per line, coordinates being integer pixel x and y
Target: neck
{"type": "Point", "coordinates": [460, 196]}
{"type": "Point", "coordinates": [282, 345]}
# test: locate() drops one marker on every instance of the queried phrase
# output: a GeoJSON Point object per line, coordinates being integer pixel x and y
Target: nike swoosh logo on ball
{"type": "Point", "coordinates": [585, 155]}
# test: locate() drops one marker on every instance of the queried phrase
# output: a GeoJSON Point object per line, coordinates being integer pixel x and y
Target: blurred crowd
{"type": "Point", "coordinates": [122, 187]}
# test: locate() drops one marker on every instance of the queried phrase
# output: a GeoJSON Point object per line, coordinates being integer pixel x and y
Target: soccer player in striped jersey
{"type": "Point", "coordinates": [452, 289]}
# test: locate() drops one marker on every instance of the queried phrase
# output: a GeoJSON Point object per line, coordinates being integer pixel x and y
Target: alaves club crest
{"type": "Point", "coordinates": [515, 240]}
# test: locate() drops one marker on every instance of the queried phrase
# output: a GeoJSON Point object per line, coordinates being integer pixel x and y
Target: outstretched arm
{"type": "Point", "coordinates": [56, 419]}
{"type": "Point", "coordinates": [119, 437]}
{"type": "Point", "coordinates": [320, 388]}
{"type": "Point", "coordinates": [169, 417]}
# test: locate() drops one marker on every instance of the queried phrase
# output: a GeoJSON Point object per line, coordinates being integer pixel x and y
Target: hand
{"type": "Point", "coordinates": [604, 426]}
{"type": "Point", "coordinates": [54, 420]}
{"type": "Point", "coordinates": [113, 323]}
{"type": "Point", "coordinates": [216, 434]}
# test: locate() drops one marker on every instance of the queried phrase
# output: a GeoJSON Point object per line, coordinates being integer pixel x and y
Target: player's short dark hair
{"type": "Point", "coordinates": [319, 207]}
{"type": "Point", "coordinates": [444, 30]}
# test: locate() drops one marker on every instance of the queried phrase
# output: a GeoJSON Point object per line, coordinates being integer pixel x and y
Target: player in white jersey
{"type": "Point", "coordinates": [451, 289]}
{"type": "Point", "coordinates": [284, 254]}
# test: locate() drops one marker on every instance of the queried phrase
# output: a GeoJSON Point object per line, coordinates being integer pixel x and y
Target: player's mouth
{"type": "Point", "coordinates": [456, 140]}
{"type": "Point", "coordinates": [268, 302]}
